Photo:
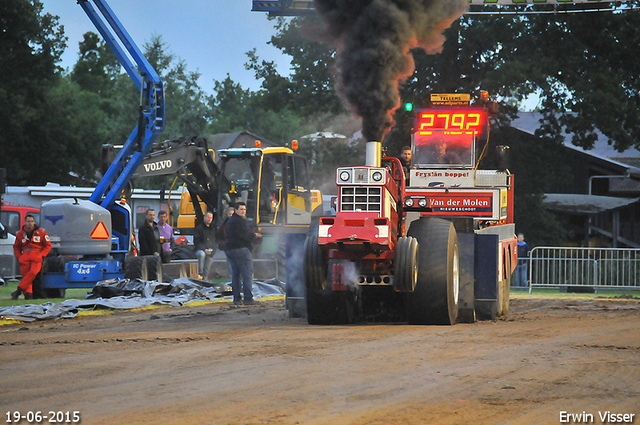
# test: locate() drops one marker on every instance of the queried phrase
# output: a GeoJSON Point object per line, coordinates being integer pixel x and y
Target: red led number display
{"type": "Point", "coordinates": [452, 120]}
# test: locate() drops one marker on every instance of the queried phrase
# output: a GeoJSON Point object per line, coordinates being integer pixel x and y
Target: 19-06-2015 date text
{"type": "Point", "coordinates": [37, 417]}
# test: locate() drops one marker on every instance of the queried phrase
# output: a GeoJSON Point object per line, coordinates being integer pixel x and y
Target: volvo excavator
{"type": "Point", "coordinates": [272, 181]}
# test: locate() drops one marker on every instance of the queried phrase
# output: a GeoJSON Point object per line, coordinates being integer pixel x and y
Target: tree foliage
{"type": "Point", "coordinates": [310, 87]}
{"type": "Point", "coordinates": [38, 109]}
{"type": "Point", "coordinates": [97, 66]}
{"type": "Point", "coordinates": [578, 64]}
{"type": "Point", "coordinates": [581, 67]}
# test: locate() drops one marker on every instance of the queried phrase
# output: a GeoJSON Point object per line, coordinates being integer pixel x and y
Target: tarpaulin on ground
{"type": "Point", "coordinates": [127, 294]}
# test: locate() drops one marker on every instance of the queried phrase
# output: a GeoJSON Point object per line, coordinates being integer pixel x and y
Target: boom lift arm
{"type": "Point", "coordinates": [99, 233]}
{"type": "Point", "coordinates": [151, 114]}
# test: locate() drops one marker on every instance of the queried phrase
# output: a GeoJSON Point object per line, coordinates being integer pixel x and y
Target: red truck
{"type": "Point", "coordinates": [13, 216]}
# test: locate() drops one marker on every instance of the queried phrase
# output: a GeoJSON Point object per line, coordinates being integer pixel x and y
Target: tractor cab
{"type": "Point", "coordinates": [444, 149]}
{"type": "Point", "coordinates": [272, 182]}
{"type": "Point", "coordinates": [448, 139]}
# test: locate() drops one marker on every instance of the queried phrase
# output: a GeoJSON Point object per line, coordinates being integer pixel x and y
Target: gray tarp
{"type": "Point", "coordinates": [127, 294]}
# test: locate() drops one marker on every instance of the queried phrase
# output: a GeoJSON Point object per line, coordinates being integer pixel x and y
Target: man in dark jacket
{"type": "Point", "coordinates": [220, 234]}
{"type": "Point", "coordinates": [238, 244]}
{"type": "Point", "coordinates": [204, 241]}
{"type": "Point", "coordinates": [149, 235]}
{"type": "Point", "coordinates": [523, 260]}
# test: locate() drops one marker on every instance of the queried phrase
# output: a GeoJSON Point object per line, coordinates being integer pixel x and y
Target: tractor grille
{"type": "Point", "coordinates": [361, 199]}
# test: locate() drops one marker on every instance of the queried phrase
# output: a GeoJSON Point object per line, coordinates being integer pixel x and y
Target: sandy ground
{"type": "Point", "coordinates": [219, 364]}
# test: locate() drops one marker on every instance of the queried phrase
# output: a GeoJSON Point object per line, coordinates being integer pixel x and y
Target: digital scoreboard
{"type": "Point", "coordinates": [462, 120]}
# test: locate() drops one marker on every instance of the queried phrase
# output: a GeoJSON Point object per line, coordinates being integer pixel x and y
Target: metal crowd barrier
{"type": "Point", "coordinates": [611, 268]}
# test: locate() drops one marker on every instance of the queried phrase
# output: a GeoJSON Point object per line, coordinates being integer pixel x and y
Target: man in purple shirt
{"type": "Point", "coordinates": [166, 236]}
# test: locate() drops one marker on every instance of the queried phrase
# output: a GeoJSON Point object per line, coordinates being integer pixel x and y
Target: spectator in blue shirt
{"type": "Point", "coordinates": [523, 261]}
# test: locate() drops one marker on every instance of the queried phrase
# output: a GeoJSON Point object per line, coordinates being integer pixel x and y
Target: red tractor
{"type": "Point", "coordinates": [433, 243]}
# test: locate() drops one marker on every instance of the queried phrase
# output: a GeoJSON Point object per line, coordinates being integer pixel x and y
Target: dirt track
{"type": "Point", "coordinates": [252, 365]}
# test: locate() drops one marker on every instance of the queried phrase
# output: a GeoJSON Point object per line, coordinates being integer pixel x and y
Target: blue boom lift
{"type": "Point", "coordinates": [94, 239]}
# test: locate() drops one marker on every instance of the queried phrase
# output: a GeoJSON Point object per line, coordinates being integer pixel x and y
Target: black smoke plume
{"type": "Point", "coordinates": [373, 39]}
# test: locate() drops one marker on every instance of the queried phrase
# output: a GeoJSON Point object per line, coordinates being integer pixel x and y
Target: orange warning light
{"type": "Point", "coordinates": [258, 144]}
{"type": "Point", "coordinates": [100, 232]}
{"type": "Point", "coordinates": [294, 145]}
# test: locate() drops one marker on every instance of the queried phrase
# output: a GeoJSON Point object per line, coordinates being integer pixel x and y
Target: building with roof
{"type": "Point", "coordinates": [604, 193]}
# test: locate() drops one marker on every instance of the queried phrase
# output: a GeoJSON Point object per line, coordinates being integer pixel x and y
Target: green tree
{"type": "Point", "coordinates": [301, 103]}
{"type": "Point", "coordinates": [233, 109]}
{"type": "Point", "coordinates": [591, 77]}
{"type": "Point", "coordinates": [97, 66]}
{"type": "Point", "coordinates": [276, 91]}
{"type": "Point", "coordinates": [124, 108]}
{"type": "Point", "coordinates": [42, 132]}
{"type": "Point", "coordinates": [186, 103]}
{"type": "Point", "coordinates": [309, 88]}
{"type": "Point", "coordinates": [228, 110]}
{"type": "Point", "coordinates": [71, 140]}
{"type": "Point", "coordinates": [585, 82]}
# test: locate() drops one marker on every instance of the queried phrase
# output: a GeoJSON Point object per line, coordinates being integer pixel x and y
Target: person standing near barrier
{"type": "Point", "coordinates": [148, 235]}
{"type": "Point", "coordinates": [220, 234]}
{"type": "Point", "coordinates": [166, 236]}
{"type": "Point", "coordinates": [523, 261]}
{"type": "Point", "coordinates": [204, 241]}
{"type": "Point", "coordinates": [31, 246]}
{"type": "Point", "coordinates": [238, 244]}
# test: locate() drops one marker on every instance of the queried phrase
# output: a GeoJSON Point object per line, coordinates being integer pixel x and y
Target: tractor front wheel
{"type": "Point", "coordinates": [405, 273]}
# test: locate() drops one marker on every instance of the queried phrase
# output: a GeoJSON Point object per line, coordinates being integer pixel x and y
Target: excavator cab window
{"type": "Point", "coordinates": [298, 209]}
{"type": "Point", "coordinates": [270, 187]}
{"type": "Point", "coordinates": [239, 171]}
{"type": "Point", "coordinates": [240, 183]}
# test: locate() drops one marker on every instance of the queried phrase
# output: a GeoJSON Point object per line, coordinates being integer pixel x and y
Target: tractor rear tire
{"type": "Point", "coordinates": [324, 306]}
{"type": "Point", "coordinates": [435, 298]}
{"type": "Point", "coordinates": [136, 268]}
{"type": "Point", "coordinates": [314, 267]}
{"type": "Point", "coordinates": [330, 308]}
{"type": "Point", "coordinates": [315, 280]}
{"type": "Point", "coordinates": [154, 267]}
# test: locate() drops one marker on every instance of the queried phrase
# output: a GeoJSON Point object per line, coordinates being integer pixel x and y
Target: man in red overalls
{"type": "Point", "coordinates": [31, 245]}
